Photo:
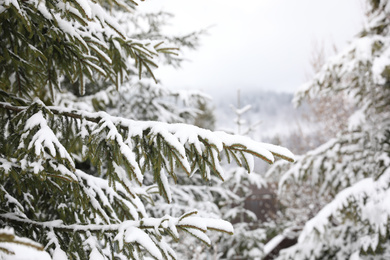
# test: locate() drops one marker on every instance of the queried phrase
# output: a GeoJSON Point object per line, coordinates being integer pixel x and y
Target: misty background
{"type": "Point", "coordinates": [252, 45]}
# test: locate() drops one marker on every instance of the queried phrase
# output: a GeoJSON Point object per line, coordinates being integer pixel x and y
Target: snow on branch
{"type": "Point", "coordinates": [179, 135]}
{"type": "Point", "coordinates": [98, 188]}
{"type": "Point", "coordinates": [19, 247]}
{"type": "Point", "coordinates": [181, 141]}
{"type": "Point", "coordinates": [131, 231]}
{"type": "Point", "coordinates": [329, 165]}
{"type": "Point", "coordinates": [92, 39]}
{"type": "Point", "coordinates": [366, 204]}
{"type": "Point", "coordinates": [121, 151]}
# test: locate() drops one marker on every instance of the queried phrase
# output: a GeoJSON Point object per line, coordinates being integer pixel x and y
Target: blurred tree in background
{"type": "Point", "coordinates": [351, 170]}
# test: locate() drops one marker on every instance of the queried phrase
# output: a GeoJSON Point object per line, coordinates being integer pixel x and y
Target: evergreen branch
{"type": "Point", "coordinates": [145, 223]}
{"type": "Point", "coordinates": [9, 238]}
{"type": "Point", "coordinates": [172, 134]}
{"type": "Point", "coordinates": [8, 106]}
{"type": "Point", "coordinates": [60, 177]}
{"type": "Point", "coordinates": [15, 99]}
{"type": "Point", "coordinates": [58, 226]}
{"type": "Point", "coordinates": [233, 148]}
{"type": "Point", "coordinates": [8, 252]}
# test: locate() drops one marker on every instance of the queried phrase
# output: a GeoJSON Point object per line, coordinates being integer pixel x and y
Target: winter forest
{"type": "Point", "coordinates": [100, 160]}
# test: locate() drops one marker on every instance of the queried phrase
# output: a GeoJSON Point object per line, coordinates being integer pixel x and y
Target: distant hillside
{"type": "Point", "coordinates": [274, 110]}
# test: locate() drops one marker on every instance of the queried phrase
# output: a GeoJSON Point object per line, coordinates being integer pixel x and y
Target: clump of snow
{"type": "Point", "coordinates": [273, 243]}
{"type": "Point", "coordinates": [379, 65]}
{"type": "Point", "coordinates": [21, 248]}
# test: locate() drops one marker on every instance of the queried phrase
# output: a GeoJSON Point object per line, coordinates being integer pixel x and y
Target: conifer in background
{"type": "Point", "coordinates": [76, 181]}
{"type": "Point", "coordinates": [251, 232]}
{"type": "Point", "coordinates": [353, 169]}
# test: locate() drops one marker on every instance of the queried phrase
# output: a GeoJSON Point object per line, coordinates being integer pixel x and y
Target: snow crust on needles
{"type": "Point", "coordinates": [21, 252]}
{"type": "Point", "coordinates": [45, 138]}
{"type": "Point", "coordinates": [373, 197]}
{"type": "Point", "coordinates": [179, 134]}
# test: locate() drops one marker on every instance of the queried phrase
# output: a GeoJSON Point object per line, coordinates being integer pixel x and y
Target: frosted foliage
{"type": "Point", "coordinates": [100, 176]}
{"type": "Point", "coordinates": [216, 199]}
{"type": "Point", "coordinates": [122, 191]}
{"type": "Point", "coordinates": [324, 233]}
{"type": "Point", "coordinates": [96, 34]}
{"type": "Point", "coordinates": [352, 169]}
{"type": "Point", "coordinates": [140, 101]}
{"type": "Point", "coordinates": [16, 248]}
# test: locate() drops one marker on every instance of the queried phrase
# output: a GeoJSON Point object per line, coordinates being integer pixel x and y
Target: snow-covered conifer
{"type": "Point", "coordinates": [77, 180]}
{"type": "Point", "coordinates": [352, 168]}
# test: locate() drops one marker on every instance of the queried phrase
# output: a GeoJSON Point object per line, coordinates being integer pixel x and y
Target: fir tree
{"type": "Point", "coordinates": [78, 181]}
{"type": "Point", "coordinates": [248, 243]}
{"type": "Point", "coordinates": [352, 168]}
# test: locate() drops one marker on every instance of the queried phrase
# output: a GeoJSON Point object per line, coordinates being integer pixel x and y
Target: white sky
{"type": "Point", "coordinates": [264, 44]}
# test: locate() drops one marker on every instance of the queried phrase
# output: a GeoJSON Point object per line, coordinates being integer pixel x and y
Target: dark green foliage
{"type": "Point", "coordinates": [73, 180]}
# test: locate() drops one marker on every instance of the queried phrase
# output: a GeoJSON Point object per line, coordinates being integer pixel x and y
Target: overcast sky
{"type": "Point", "coordinates": [263, 44]}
